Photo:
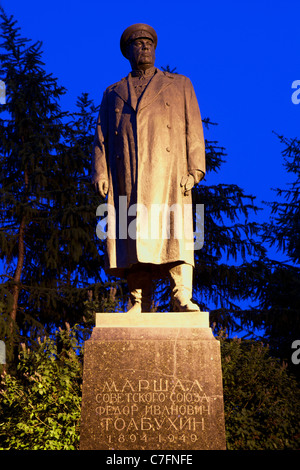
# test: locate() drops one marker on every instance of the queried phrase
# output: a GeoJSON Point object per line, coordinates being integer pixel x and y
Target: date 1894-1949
{"type": "Point", "coordinates": [131, 438]}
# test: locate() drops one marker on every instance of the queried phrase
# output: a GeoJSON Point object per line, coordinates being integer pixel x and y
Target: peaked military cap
{"type": "Point", "coordinates": [135, 31]}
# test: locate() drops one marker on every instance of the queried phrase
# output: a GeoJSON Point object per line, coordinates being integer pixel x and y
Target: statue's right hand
{"type": "Point", "coordinates": [101, 187]}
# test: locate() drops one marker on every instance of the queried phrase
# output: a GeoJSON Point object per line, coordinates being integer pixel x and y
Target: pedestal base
{"type": "Point", "coordinates": [152, 381]}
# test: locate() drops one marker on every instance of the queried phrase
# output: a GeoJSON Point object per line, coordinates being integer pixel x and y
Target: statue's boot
{"type": "Point", "coordinates": [140, 288]}
{"type": "Point", "coordinates": [181, 281]}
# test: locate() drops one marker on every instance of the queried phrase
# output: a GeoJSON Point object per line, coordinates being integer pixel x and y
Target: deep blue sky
{"type": "Point", "coordinates": [242, 57]}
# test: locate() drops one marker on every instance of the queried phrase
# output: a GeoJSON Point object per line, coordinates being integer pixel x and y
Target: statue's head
{"type": "Point", "coordinates": [138, 43]}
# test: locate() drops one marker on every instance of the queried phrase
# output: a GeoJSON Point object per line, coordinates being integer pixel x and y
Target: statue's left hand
{"type": "Point", "coordinates": [187, 182]}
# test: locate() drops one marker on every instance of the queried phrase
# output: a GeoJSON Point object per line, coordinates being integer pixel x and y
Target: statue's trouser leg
{"type": "Point", "coordinates": [140, 288]}
{"type": "Point", "coordinates": [181, 280]}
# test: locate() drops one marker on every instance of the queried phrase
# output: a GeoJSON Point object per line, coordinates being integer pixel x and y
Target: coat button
{"type": "Point", "coordinates": [116, 132]}
{"type": "Point", "coordinates": [167, 103]}
{"type": "Point", "coordinates": [168, 126]}
{"type": "Point", "coordinates": [117, 110]}
{"type": "Point", "coordinates": [118, 157]}
{"type": "Point", "coordinates": [168, 149]}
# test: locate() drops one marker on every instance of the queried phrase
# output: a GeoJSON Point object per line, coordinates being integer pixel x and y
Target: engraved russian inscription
{"type": "Point", "coordinates": [163, 409]}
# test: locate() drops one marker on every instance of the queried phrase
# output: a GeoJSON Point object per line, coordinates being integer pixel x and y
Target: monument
{"type": "Point", "coordinates": [151, 380]}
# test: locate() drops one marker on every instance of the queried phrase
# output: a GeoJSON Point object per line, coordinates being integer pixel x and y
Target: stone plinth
{"type": "Point", "coordinates": [152, 381]}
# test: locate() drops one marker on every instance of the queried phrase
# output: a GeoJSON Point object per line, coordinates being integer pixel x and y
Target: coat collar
{"type": "Point", "coordinates": [158, 83]}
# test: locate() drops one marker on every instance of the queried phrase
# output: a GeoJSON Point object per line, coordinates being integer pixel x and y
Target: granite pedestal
{"type": "Point", "coordinates": [152, 381]}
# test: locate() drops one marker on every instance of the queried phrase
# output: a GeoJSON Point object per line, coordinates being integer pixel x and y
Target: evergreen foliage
{"type": "Point", "coordinates": [47, 210]}
{"type": "Point", "coordinates": [261, 399]}
{"type": "Point", "coordinates": [276, 286]}
{"type": "Point", "coordinates": [223, 276]}
{"type": "Point", "coordinates": [283, 231]}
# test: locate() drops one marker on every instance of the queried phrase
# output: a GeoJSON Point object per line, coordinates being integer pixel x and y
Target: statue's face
{"type": "Point", "coordinates": [141, 53]}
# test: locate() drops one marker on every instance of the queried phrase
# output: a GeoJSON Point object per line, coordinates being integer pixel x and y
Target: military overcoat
{"type": "Point", "coordinates": [144, 148]}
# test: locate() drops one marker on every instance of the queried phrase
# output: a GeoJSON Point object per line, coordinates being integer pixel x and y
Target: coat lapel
{"type": "Point", "coordinates": [126, 91]}
{"type": "Point", "coordinates": [158, 83]}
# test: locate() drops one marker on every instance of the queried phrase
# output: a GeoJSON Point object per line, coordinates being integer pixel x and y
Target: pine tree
{"type": "Point", "coordinates": [225, 271]}
{"type": "Point", "coordinates": [278, 286]}
{"type": "Point", "coordinates": [48, 209]}
{"type": "Point", "coordinates": [30, 135]}
{"type": "Point", "coordinates": [283, 231]}
{"type": "Point", "coordinates": [223, 274]}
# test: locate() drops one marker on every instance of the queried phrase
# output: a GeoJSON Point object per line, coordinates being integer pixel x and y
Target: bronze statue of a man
{"type": "Point", "coordinates": [149, 151]}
